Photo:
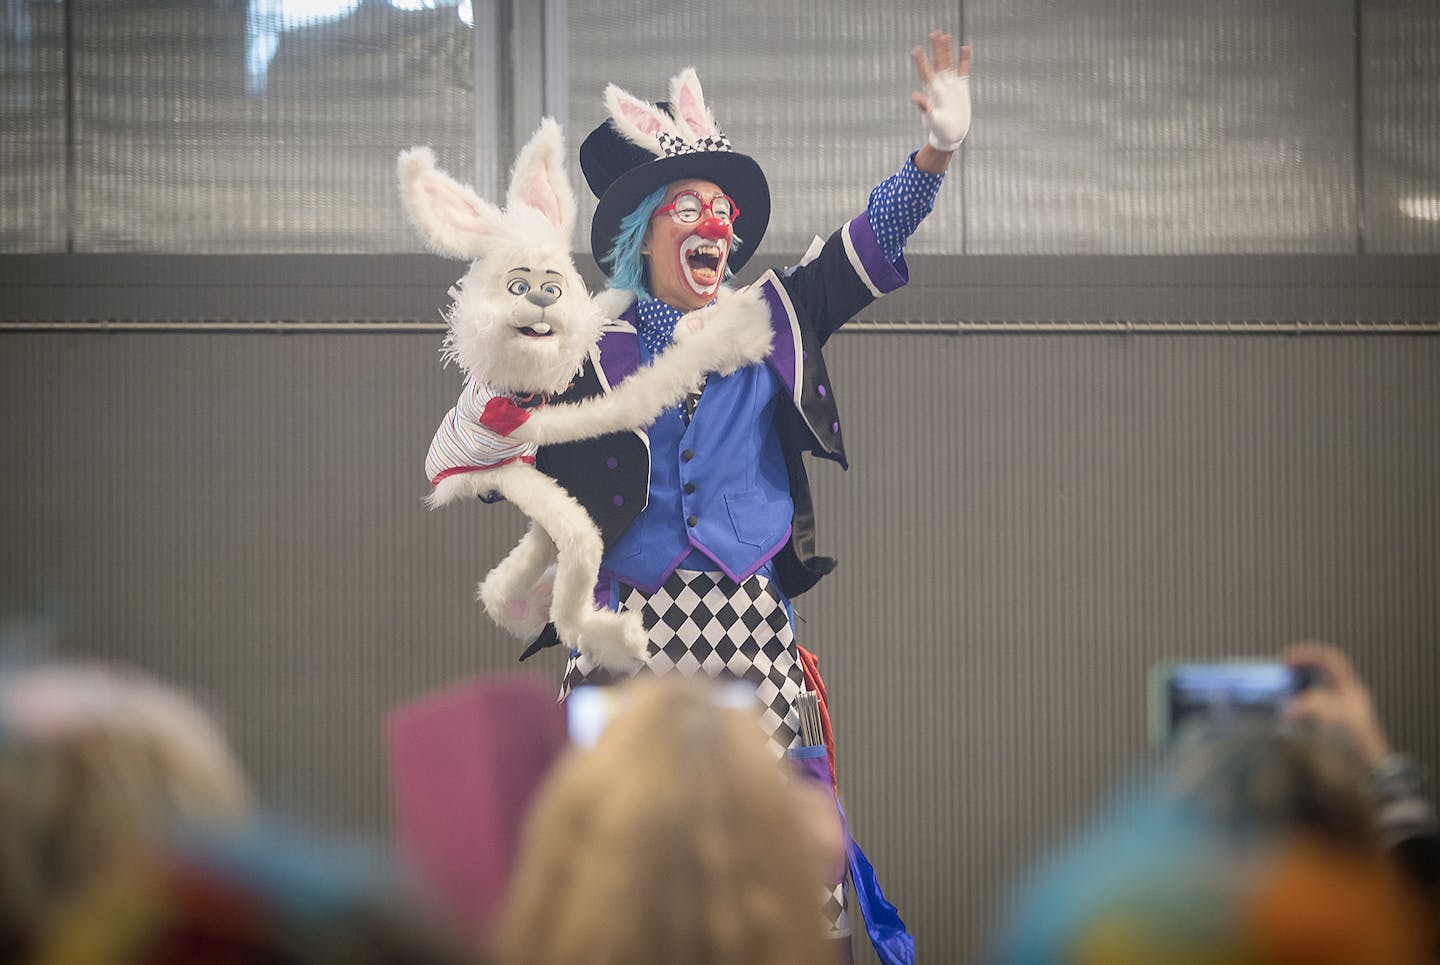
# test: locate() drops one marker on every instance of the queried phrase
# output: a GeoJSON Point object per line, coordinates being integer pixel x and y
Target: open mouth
{"type": "Point", "coordinates": [538, 330]}
{"type": "Point", "coordinates": [704, 260]}
{"type": "Point", "coordinates": [701, 258]}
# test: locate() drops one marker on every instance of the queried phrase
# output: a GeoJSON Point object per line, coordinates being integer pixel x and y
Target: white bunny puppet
{"type": "Point", "coordinates": [521, 327]}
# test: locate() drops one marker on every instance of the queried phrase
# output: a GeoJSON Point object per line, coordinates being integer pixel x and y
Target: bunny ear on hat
{"type": "Point", "coordinates": [642, 146]}
{"type": "Point", "coordinates": [640, 122]}
{"type": "Point", "coordinates": [688, 103]}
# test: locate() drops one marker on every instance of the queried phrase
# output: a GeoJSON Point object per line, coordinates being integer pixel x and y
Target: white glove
{"type": "Point", "coordinates": [948, 119]}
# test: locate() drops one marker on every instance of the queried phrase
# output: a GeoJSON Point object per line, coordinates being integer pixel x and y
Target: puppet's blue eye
{"type": "Point", "coordinates": [518, 286]}
{"type": "Point", "coordinates": [551, 289]}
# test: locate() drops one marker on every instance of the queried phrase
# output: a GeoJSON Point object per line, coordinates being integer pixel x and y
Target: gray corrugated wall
{"type": "Point", "coordinates": [1029, 523]}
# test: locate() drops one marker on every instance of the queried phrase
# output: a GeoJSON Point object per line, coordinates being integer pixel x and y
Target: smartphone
{"type": "Point", "coordinates": [589, 709]}
{"type": "Point", "coordinates": [1193, 698]}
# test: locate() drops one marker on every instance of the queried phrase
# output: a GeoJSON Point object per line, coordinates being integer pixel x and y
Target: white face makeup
{"type": "Point", "coordinates": [700, 262]}
{"type": "Point", "coordinates": [687, 260]}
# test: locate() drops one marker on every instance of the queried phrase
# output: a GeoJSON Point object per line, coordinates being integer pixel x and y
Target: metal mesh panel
{"type": "Point", "coordinates": [191, 139]}
{"type": "Point", "coordinates": [32, 126]}
{"type": "Point", "coordinates": [1102, 126]}
{"type": "Point", "coordinates": [1401, 134]}
{"type": "Point", "coordinates": [1161, 127]}
{"type": "Point", "coordinates": [1047, 517]}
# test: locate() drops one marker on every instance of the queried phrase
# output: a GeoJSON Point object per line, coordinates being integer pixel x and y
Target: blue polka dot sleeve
{"type": "Point", "coordinates": [898, 205]}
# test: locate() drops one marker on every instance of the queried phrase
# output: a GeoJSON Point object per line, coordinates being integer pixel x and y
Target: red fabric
{"type": "Point", "coordinates": [810, 666]}
{"type": "Point", "coordinates": [456, 470]}
{"type": "Point", "coordinates": [502, 415]}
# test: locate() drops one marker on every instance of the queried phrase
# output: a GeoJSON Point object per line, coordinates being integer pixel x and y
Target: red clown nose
{"type": "Point", "coordinates": [713, 228]}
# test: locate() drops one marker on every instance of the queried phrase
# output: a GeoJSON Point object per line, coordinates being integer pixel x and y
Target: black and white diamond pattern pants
{"type": "Point", "coordinates": [705, 623]}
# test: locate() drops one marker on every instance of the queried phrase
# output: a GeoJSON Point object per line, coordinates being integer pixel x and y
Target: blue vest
{"type": "Point", "coordinates": [751, 499]}
{"type": "Point", "coordinates": [719, 495]}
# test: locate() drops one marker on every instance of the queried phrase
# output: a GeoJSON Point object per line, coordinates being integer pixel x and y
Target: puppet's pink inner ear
{"type": "Point", "coordinates": [641, 118]}
{"type": "Point", "coordinates": [694, 114]}
{"type": "Point", "coordinates": [536, 191]}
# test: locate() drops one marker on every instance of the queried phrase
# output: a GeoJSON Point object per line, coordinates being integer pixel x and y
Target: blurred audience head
{"type": "Point", "coordinates": [676, 838]}
{"type": "Point", "coordinates": [1267, 783]}
{"type": "Point", "coordinates": [1257, 848]}
{"type": "Point", "coordinates": [264, 895]}
{"type": "Point", "coordinates": [97, 763]}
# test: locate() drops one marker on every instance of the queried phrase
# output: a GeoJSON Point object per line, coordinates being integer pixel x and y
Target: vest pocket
{"type": "Point", "coordinates": [758, 519]}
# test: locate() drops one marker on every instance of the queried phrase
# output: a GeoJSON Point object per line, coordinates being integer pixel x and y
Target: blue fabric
{"type": "Point", "coordinates": [893, 943]}
{"type": "Point", "coordinates": [809, 756]}
{"type": "Point", "coordinates": [655, 321]}
{"type": "Point", "coordinates": [741, 502]}
{"type": "Point", "coordinates": [898, 205]}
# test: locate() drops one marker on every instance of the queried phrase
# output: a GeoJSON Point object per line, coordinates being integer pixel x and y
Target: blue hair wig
{"type": "Point", "coordinates": [627, 265]}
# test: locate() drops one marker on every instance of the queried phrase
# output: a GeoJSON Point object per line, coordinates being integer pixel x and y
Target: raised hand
{"type": "Point", "coordinates": [1339, 701]}
{"type": "Point", "coordinates": [945, 103]}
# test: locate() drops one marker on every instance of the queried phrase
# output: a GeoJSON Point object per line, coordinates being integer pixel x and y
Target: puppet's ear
{"type": "Point", "coordinates": [639, 121]}
{"type": "Point", "coordinates": [687, 101]}
{"type": "Point", "coordinates": [452, 217]}
{"type": "Point", "coordinates": [539, 179]}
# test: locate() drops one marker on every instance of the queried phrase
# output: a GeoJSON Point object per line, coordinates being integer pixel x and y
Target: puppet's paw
{"type": "Point", "coordinates": [522, 615]}
{"type": "Point", "coordinates": [616, 641]}
{"type": "Point", "coordinates": [692, 324]}
{"type": "Point", "coordinates": [732, 333]}
{"type": "Point", "coordinates": [747, 321]}
{"type": "Point", "coordinates": [461, 485]}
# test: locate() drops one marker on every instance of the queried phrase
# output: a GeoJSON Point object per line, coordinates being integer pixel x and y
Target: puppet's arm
{"type": "Point", "coordinates": [732, 333]}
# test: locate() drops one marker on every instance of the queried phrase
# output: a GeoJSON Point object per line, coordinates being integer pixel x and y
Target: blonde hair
{"type": "Point", "coordinates": [675, 839]}
{"type": "Point", "coordinates": [96, 762]}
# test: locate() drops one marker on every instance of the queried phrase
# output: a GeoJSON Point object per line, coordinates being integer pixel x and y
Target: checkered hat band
{"type": "Point", "coordinates": [672, 146]}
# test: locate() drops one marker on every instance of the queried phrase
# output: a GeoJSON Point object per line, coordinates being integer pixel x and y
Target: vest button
{"type": "Point", "coordinates": [689, 487]}
{"type": "Point", "coordinates": [688, 454]}
{"type": "Point", "coordinates": [692, 520]}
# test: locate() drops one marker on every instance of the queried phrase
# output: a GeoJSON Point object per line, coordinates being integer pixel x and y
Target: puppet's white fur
{"type": "Point", "coordinates": [486, 340]}
{"type": "Point", "coordinates": [733, 332]}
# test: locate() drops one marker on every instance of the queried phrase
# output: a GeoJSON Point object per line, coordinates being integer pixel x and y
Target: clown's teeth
{"type": "Point", "coordinates": [702, 278]}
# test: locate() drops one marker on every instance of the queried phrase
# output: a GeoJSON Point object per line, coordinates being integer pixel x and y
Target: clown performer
{"type": "Point", "coordinates": [710, 531]}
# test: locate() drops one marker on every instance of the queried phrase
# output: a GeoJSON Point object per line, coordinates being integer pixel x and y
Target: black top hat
{"type": "Point", "coordinates": [678, 144]}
